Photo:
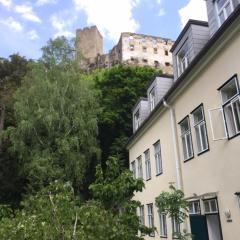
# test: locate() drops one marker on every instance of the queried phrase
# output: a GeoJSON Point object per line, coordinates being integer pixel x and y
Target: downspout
{"type": "Point", "coordinates": [175, 146]}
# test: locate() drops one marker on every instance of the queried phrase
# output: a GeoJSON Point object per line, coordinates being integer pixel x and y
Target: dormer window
{"type": "Point", "coordinates": [183, 58]}
{"type": "Point", "coordinates": [137, 120]}
{"type": "Point", "coordinates": [224, 9]}
{"type": "Point", "coordinates": [152, 99]}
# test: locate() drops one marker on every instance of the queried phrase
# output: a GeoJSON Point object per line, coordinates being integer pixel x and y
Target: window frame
{"type": "Point", "coordinates": [180, 68]}
{"type": "Point", "coordinates": [223, 11]}
{"type": "Point", "coordinates": [158, 161]}
{"type": "Point", "coordinates": [210, 207]}
{"type": "Point", "coordinates": [175, 226]}
{"type": "Point", "coordinates": [194, 213]}
{"type": "Point", "coordinates": [139, 173]}
{"type": "Point", "coordinates": [147, 165]}
{"type": "Point", "coordinates": [133, 169]}
{"type": "Point", "coordinates": [142, 217]}
{"type": "Point", "coordinates": [189, 132]}
{"type": "Point", "coordinates": [198, 126]}
{"type": "Point", "coordinates": [228, 102]}
{"type": "Point", "coordinates": [152, 99]}
{"type": "Point", "coordinates": [150, 218]}
{"type": "Point", "coordinates": [163, 224]}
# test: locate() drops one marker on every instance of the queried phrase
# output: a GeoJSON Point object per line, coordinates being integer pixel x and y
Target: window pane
{"type": "Point", "coordinates": [221, 17]}
{"type": "Point", "coordinates": [140, 170]}
{"type": "Point", "coordinates": [220, 3]}
{"type": "Point", "coordinates": [203, 132]}
{"type": "Point", "coordinates": [206, 206]}
{"type": "Point", "coordinates": [198, 115]}
{"type": "Point", "coordinates": [185, 154]}
{"type": "Point", "coordinates": [163, 225]}
{"type": "Point", "coordinates": [158, 162]}
{"type": "Point", "coordinates": [197, 131]}
{"type": "Point", "coordinates": [236, 111]}
{"type": "Point", "coordinates": [189, 145]}
{"type": "Point", "coordinates": [184, 126]}
{"type": "Point", "coordinates": [229, 90]}
{"type": "Point", "coordinates": [230, 120]}
{"type": "Point", "coordinates": [213, 206]}
{"type": "Point", "coordinates": [228, 9]}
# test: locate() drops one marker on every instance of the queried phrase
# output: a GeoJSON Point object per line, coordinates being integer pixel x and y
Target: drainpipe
{"type": "Point", "coordinates": [175, 146]}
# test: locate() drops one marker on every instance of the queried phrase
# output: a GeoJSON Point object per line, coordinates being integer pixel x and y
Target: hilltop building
{"type": "Point", "coordinates": [187, 130]}
{"type": "Point", "coordinates": [132, 48]}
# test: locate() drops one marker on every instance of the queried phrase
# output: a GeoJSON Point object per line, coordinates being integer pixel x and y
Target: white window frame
{"type": "Point", "coordinates": [175, 228]}
{"type": "Point", "coordinates": [139, 167]}
{"type": "Point", "coordinates": [223, 10]}
{"type": "Point", "coordinates": [198, 125]}
{"type": "Point", "coordinates": [232, 120]}
{"type": "Point", "coordinates": [152, 96]}
{"type": "Point", "coordinates": [158, 157]}
{"type": "Point", "coordinates": [148, 164]}
{"type": "Point", "coordinates": [133, 168]}
{"type": "Point", "coordinates": [137, 120]}
{"type": "Point", "coordinates": [141, 215]}
{"type": "Point", "coordinates": [184, 136]}
{"type": "Point", "coordinates": [150, 218]}
{"type": "Point", "coordinates": [163, 224]}
{"type": "Point", "coordinates": [209, 201]}
{"type": "Point", "coordinates": [182, 62]}
{"type": "Point", "coordinates": [195, 209]}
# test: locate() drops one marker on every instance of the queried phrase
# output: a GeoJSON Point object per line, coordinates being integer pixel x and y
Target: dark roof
{"type": "Point", "coordinates": [158, 75]}
{"type": "Point", "coordinates": [189, 23]}
{"type": "Point", "coordinates": [195, 61]}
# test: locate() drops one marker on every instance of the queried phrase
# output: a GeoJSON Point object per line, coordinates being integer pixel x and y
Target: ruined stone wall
{"type": "Point", "coordinates": [89, 43]}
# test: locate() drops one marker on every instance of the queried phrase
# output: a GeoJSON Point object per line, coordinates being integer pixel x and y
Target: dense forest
{"type": "Point", "coordinates": [63, 164]}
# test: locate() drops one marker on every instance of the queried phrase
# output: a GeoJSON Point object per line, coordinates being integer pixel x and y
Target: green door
{"type": "Point", "coordinates": [199, 227]}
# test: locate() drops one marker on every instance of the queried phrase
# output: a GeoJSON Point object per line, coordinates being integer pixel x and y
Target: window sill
{"type": "Point", "coordinates": [188, 159]}
{"type": "Point", "coordinates": [158, 174]}
{"type": "Point", "coordinates": [229, 138]}
{"type": "Point", "coordinates": [204, 151]}
{"type": "Point", "coordinates": [163, 236]}
{"type": "Point", "coordinates": [148, 179]}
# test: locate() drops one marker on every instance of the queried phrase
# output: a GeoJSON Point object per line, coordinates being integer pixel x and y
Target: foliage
{"type": "Point", "coordinates": [55, 212]}
{"type": "Point", "coordinates": [56, 113]}
{"type": "Point", "coordinates": [173, 204]}
{"type": "Point", "coordinates": [120, 88]}
{"type": "Point", "coordinates": [12, 72]}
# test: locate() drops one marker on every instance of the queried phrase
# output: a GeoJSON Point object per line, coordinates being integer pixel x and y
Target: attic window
{"type": "Point", "coordinates": [136, 120]}
{"type": "Point", "coordinates": [224, 9]}
{"type": "Point", "coordinates": [152, 98]}
{"type": "Point", "coordinates": [183, 58]}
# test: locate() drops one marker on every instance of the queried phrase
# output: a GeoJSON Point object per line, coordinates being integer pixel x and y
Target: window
{"type": "Point", "coordinates": [224, 9]}
{"type": "Point", "coordinates": [163, 224]}
{"type": "Point", "coordinates": [147, 164]}
{"type": "Point", "coordinates": [158, 159]}
{"type": "Point", "coordinates": [166, 52]}
{"type": "Point", "coordinates": [210, 206]}
{"type": "Point", "coordinates": [200, 129]}
{"type": "Point", "coordinates": [145, 61]}
{"type": "Point", "coordinates": [175, 228]}
{"type": "Point", "coordinates": [152, 98]}
{"type": "Point", "coordinates": [132, 47]}
{"type": "Point", "coordinates": [156, 63]}
{"type": "Point", "coordinates": [139, 167]}
{"type": "Point", "coordinates": [194, 208]}
{"type": "Point", "coordinates": [186, 139]}
{"type": "Point", "coordinates": [183, 59]}
{"type": "Point", "coordinates": [155, 50]}
{"type": "Point", "coordinates": [238, 197]}
{"type": "Point", "coordinates": [231, 106]}
{"type": "Point", "coordinates": [133, 167]}
{"type": "Point", "coordinates": [167, 64]}
{"type": "Point", "coordinates": [150, 218]}
{"type": "Point", "coordinates": [144, 49]}
{"type": "Point", "coordinates": [136, 120]}
{"type": "Point", "coordinates": [141, 215]}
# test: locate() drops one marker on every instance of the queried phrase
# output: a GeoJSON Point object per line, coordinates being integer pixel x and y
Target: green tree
{"type": "Point", "coordinates": [12, 72]}
{"type": "Point", "coordinates": [174, 204]}
{"type": "Point", "coordinates": [120, 88]}
{"type": "Point", "coordinates": [56, 213]}
{"type": "Point", "coordinates": [56, 113]}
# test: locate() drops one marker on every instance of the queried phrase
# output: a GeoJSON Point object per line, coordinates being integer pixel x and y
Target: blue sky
{"type": "Point", "coordinates": [26, 25]}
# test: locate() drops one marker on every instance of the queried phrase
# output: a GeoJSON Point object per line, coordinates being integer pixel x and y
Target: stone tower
{"type": "Point", "coordinates": [89, 43]}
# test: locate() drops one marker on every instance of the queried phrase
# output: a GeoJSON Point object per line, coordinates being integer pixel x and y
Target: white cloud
{"type": "Point", "coordinates": [26, 11]}
{"type": "Point", "coordinates": [12, 24]}
{"type": "Point", "coordinates": [111, 17]}
{"type": "Point", "coordinates": [195, 9]}
{"type": "Point", "coordinates": [44, 2]}
{"type": "Point", "coordinates": [6, 3]}
{"type": "Point", "coordinates": [60, 25]}
{"type": "Point", "coordinates": [32, 35]}
{"type": "Point", "coordinates": [161, 12]}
